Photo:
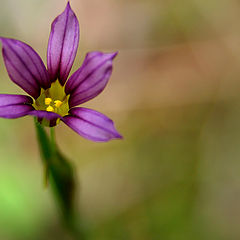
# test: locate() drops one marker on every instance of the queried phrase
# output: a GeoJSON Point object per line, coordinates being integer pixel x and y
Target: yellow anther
{"type": "Point", "coordinates": [57, 103]}
{"type": "Point", "coordinates": [48, 101]}
{"type": "Point", "coordinates": [50, 109]}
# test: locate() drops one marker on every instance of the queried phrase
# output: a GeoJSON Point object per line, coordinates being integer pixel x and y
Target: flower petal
{"type": "Point", "coordinates": [91, 125]}
{"type": "Point", "coordinates": [24, 66]}
{"type": "Point", "coordinates": [62, 45]}
{"type": "Point", "coordinates": [50, 116]}
{"type": "Point", "coordinates": [44, 114]}
{"type": "Point", "coordinates": [91, 78]}
{"type": "Point", "coordinates": [15, 106]}
{"type": "Point", "coordinates": [11, 99]}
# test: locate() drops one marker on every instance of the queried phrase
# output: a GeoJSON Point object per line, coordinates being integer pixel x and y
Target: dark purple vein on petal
{"type": "Point", "coordinates": [74, 41]}
{"type": "Point", "coordinates": [79, 131]}
{"type": "Point", "coordinates": [64, 35]}
{"type": "Point", "coordinates": [96, 83]}
{"type": "Point", "coordinates": [94, 124]}
{"type": "Point", "coordinates": [89, 74]}
{"type": "Point", "coordinates": [34, 77]}
{"type": "Point", "coordinates": [43, 73]}
{"type": "Point", "coordinates": [85, 99]}
{"type": "Point", "coordinates": [78, 72]}
{"type": "Point", "coordinates": [10, 62]}
{"type": "Point", "coordinates": [49, 58]}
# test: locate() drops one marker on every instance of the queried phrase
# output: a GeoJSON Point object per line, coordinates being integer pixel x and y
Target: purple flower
{"type": "Point", "coordinates": [53, 97]}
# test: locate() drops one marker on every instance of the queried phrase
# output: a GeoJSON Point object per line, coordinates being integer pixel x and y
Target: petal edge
{"type": "Point", "coordinates": [62, 45]}
{"type": "Point", "coordinates": [25, 67]}
{"type": "Point", "coordinates": [91, 78]}
{"type": "Point", "coordinates": [15, 106]}
{"type": "Point", "coordinates": [91, 125]}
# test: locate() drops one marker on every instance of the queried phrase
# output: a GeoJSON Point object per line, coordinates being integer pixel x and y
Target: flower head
{"type": "Point", "coordinates": [54, 95]}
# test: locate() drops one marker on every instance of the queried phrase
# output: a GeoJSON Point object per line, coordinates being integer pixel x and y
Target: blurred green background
{"type": "Point", "coordinates": [174, 95]}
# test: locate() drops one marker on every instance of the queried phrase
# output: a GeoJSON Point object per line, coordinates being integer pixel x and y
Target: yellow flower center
{"type": "Point", "coordinates": [53, 99]}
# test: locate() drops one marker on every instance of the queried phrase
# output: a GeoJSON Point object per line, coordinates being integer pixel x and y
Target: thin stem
{"type": "Point", "coordinates": [46, 175]}
{"type": "Point", "coordinates": [62, 179]}
{"type": "Point", "coordinates": [52, 138]}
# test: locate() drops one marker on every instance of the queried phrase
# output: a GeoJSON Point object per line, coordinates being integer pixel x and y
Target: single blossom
{"type": "Point", "coordinates": [54, 96]}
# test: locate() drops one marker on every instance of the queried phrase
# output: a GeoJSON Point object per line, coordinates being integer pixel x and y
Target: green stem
{"type": "Point", "coordinates": [62, 179]}
{"type": "Point", "coordinates": [53, 140]}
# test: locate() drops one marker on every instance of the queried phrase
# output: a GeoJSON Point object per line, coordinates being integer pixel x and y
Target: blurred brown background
{"type": "Point", "coordinates": [174, 95]}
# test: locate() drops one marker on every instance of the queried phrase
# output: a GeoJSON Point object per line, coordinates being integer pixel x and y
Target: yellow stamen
{"type": "Point", "coordinates": [50, 109]}
{"type": "Point", "coordinates": [52, 100]}
{"type": "Point", "coordinates": [48, 101]}
{"type": "Point", "coordinates": [57, 103]}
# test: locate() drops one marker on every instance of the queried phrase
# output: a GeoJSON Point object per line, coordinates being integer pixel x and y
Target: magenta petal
{"type": "Point", "coordinates": [44, 114]}
{"type": "Point", "coordinates": [62, 45]}
{"type": "Point", "coordinates": [15, 106]}
{"type": "Point", "coordinates": [10, 99]}
{"type": "Point", "coordinates": [15, 111]}
{"type": "Point", "coordinates": [91, 78]}
{"type": "Point", "coordinates": [51, 117]}
{"type": "Point", "coordinates": [24, 66]}
{"type": "Point", "coordinates": [91, 125]}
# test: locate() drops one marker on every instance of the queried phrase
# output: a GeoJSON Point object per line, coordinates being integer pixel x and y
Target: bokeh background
{"type": "Point", "coordinates": [174, 95]}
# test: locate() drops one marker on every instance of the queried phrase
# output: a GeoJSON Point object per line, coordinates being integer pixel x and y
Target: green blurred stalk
{"type": "Point", "coordinates": [60, 174]}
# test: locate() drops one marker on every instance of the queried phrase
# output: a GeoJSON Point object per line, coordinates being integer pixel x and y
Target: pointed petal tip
{"type": "Point", "coordinates": [67, 8]}
{"type": "Point", "coordinates": [63, 44]}
{"type": "Point", "coordinates": [91, 125]}
{"type": "Point", "coordinates": [116, 136]}
{"type": "Point", "coordinates": [119, 136]}
{"type": "Point", "coordinates": [114, 54]}
{"type": "Point", "coordinates": [68, 5]}
{"type": "Point", "coordinates": [109, 55]}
